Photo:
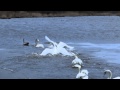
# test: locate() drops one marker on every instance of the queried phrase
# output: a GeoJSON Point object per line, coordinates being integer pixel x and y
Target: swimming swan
{"type": "Point", "coordinates": [37, 44]}
{"type": "Point", "coordinates": [83, 74]}
{"type": "Point", "coordinates": [77, 60]}
{"type": "Point", "coordinates": [110, 74]}
{"type": "Point", "coordinates": [25, 43]}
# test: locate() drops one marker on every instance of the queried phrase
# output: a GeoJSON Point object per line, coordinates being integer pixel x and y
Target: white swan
{"type": "Point", "coordinates": [110, 74]}
{"type": "Point", "coordinates": [55, 49]}
{"type": "Point", "coordinates": [37, 44]}
{"type": "Point", "coordinates": [52, 51]}
{"type": "Point", "coordinates": [77, 60]}
{"type": "Point", "coordinates": [83, 74]}
{"type": "Point", "coordinates": [25, 43]}
{"type": "Point", "coordinates": [60, 44]}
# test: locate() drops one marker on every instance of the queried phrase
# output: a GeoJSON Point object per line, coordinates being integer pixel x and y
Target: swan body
{"type": "Point", "coordinates": [55, 49]}
{"type": "Point", "coordinates": [37, 44]}
{"type": "Point", "coordinates": [83, 74]}
{"type": "Point", "coordinates": [77, 65]}
{"type": "Point", "coordinates": [64, 45]}
{"type": "Point", "coordinates": [110, 74]}
{"type": "Point", "coordinates": [25, 43]}
{"type": "Point", "coordinates": [77, 60]}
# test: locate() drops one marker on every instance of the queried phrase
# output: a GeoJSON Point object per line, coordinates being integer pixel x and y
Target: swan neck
{"type": "Point", "coordinates": [110, 75]}
{"type": "Point", "coordinates": [79, 69]}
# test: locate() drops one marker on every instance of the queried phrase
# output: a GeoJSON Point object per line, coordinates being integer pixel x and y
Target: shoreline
{"type": "Point", "coordinates": [22, 14]}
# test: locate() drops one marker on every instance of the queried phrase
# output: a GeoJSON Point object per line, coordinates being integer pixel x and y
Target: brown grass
{"type": "Point", "coordinates": [19, 14]}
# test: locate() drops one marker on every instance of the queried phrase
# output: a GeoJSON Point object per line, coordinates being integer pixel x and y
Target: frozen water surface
{"type": "Point", "coordinates": [98, 36]}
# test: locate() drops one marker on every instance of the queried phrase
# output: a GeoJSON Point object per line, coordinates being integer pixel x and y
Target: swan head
{"type": "Point", "coordinates": [36, 40]}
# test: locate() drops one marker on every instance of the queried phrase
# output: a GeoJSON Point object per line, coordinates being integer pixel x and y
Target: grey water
{"type": "Point", "coordinates": [71, 30]}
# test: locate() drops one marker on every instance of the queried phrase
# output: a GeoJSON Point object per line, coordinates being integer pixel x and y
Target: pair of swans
{"type": "Point", "coordinates": [110, 74]}
{"type": "Point", "coordinates": [82, 74]}
{"type": "Point", "coordinates": [57, 48]}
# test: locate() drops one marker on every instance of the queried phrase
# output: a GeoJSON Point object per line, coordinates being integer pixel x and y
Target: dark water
{"type": "Point", "coordinates": [71, 30]}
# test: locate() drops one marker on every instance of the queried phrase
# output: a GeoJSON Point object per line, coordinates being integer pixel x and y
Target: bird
{"type": "Point", "coordinates": [83, 74]}
{"type": "Point", "coordinates": [50, 51]}
{"type": "Point", "coordinates": [110, 75]}
{"type": "Point", "coordinates": [55, 49]}
{"type": "Point", "coordinates": [77, 60]}
{"type": "Point", "coordinates": [37, 44]}
{"type": "Point", "coordinates": [25, 43]}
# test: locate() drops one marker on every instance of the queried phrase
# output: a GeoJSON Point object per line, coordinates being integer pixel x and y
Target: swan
{"type": "Point", "coordinates": [25, 43]}
{"type": "Point", "coordinates": [37, 44]}
{"type": "Point", "coordinates": [77, 60]}
{"type": "Point", "coordinates": [110, 74]}
{"type": "Point", "coordinates": [52, 51]}
{"type": "Point", "coordinates": [83, 74]}
{"type": "Point", "coordinates": [55, 49]}
{"type": "Point", "coordinates": [60, 44]}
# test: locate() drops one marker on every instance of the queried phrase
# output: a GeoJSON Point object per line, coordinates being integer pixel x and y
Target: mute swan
{"type": "Point", "coordinates": [77, 60]}
{"type": "Point", "coordinates": [60, 44]}
{"type": "Point", "coordinates": [55, 49]}
{"type": "Point", "coordinates": [110, 74]}
{"type": "Point", "coordinates": [83, 74]}
{"type": "Point", "coordinates": [37, 44]}
{"type": "Point", "coordinates": [52, 51]}
{"type": "Point", "coordinates": [25, 43]}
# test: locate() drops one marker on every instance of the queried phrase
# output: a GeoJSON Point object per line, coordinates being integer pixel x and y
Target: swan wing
{"type": "Point", "coordinates": [62, 44]}
{"type": "Point", "coordinates": [64, 52]}
{"type": "Point", "coordinates": [46, 51]}
{"type": "Point", "coordinates": [50, 40]}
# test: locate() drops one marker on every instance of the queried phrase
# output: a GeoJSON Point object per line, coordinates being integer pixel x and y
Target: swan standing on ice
{"type": "Point", "coordinates": [25, 43]}
{"type": "Point", "coordinates": [110, 74]}
{"type": "Point", "coordinates": [77, 60]}
{"type": "Point", "coordinates": [37, 44]}
{"type": "Point", "coordinates": [83, 74]}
